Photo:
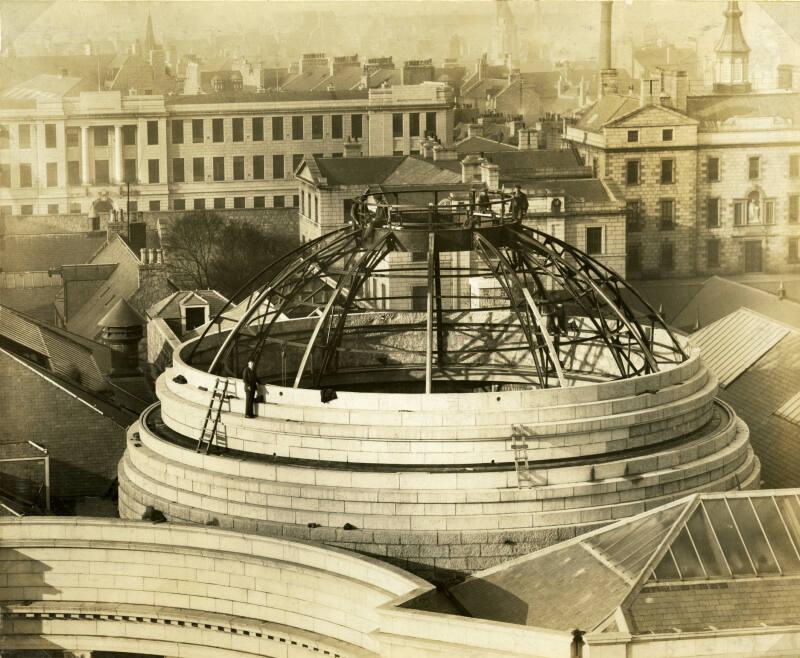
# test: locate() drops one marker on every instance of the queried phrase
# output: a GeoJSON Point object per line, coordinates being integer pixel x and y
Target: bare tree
{"type": "Point", "coordinates": [191, 243]}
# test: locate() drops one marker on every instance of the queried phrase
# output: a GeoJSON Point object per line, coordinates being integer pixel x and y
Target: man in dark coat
{"type": "Point", "coordinates": [520, 204]}
{"type": "Point", "coordinates": [250, 388]}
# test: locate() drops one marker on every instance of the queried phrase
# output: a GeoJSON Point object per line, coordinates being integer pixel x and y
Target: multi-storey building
{"type": "Point", "coordinates": [711, 182]}
{"type": "Point", "coordinates": [236, 150]}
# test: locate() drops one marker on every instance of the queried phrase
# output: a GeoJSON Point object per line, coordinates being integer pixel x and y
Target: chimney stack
{"type": "Point", "coordinates": [490, 174]}
{"type": "Point", "coordinates": [650, 90]}
{"type": "Point", "coordinates": [528, 139]}
{"type": "Point", "coordinates": [352, 148]}
{"type": "Point", "coordinates": [605, 35]}
{"type": "Point", "coordinates": [427, 149]}
{"type": "Point", "coordinates": [441, 153]}
{"type": "Point", "coordinates": [608, 82]}
{"type": "Point", "coordinates": [474, 130]}
{"type": "Point", "coordinates": [470, 169]}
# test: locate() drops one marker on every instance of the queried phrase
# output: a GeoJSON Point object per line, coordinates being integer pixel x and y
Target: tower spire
{"type": "Point", "coordinates": [149, 37]}
{"type": "Point", "coordinates": [731, 72]}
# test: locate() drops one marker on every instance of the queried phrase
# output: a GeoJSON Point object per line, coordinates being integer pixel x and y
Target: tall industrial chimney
{"type": "Point", "coordinates": [605, 34]}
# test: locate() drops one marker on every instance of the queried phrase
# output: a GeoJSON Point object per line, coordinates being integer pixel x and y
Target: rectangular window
{"type": "Point", "coordinates": [153, 172]}
{"type": "Point", "coordinates": [712, 213]}
{"type": "Point", "coordinates": [238, 167]}
{"type": "Point", "coordinates": [130, 170]}
{"type": "Point", "coordinates": [297, 127]}
{"type": "Point", "coordinates": [73, 172]}
{"type": "Point", "coordinates": [74, 208]}
{"type": "Point", "coordinates": [794, 250]}
{"type": "Point", "coordinates": [277, 128]}
{"type": "Point", "coordinates": [357, 125]}
{"type": "Point", "coordinates": [50, 135]}
{"type": "Point", "coordinates": [794, 208]}
{"type": "Point", "coordinates": [217, 130]}
{"type": "Point", "coordinates": [237, 128]}
{"type": "Point", "coordinates": [739, 212]}
{"type": "Point", "coordinates": [219, 203]}
{"type": "Point", "coordinates": [316, 126]}
{"type": "Point", "coordinates": [277, 166]}
{"type": "Point", "coordinates": [101, 172]}
{"type": "Point", "coordinates": [177, 131]}
{"type": "Point", "coordinates": [100, 136]}
{"type": "Point", "coordinates": [633, 135]}
{"type": "Point", "coordinates": [258, 129]}
{"type": "Point", "coordinates": [197, 131]}
{"type": "Point", "coordinates": [5, 137]}
{"type": "Point", "coordinates": [154, 205]}
{"type": "Point", "coordinates": [24, 135]}
{"type": "Point", "coordinates": [178, 175]}
{"type": "Point", "coordinates": [632, 174]}
{"type": "Point", "coordinates": [666, 135]}
{"type": "Point", "coordinates": [297, 160]}
{"type": "Point", "coordinates": [594, 240]}
{"type": "Point", "coordinates": [179, 204]}
{"type": "Point", "coordinates": [25, 176]}
{"type": "Point", "coordinates": [198, 170]}
{"type": "Point", "coordinates": [667, 171]}
{"type": "Point", "coordinates": [5, 175]}
{"type": "Point", "coordinates": [397, 124]}
{"type": "Point", "coordinates": [279, 201]}
{"type": "Point", "coordinates": [633, 215]}
{"type": "Point", "coordinates": [73, 136]}
{"type": "Point", "coordinates": [26, 209]}
{"type": "Point", "coordinates": [769, 211]}
{"type": "Point", "coordinates": [259, 202]}
{"type": "Point", "coordinates": [295, 200]}
{"type": "Point", "coordinates": [753, 167]}
{"type": "Point", "coordinates": [667, 261]}
{"type": "Point", "coordinates": [152, 133]}
{"type": "Point", "coordinates": [633, 258]}
{"type": "Point", "coordinates": [6, 210]}
{"type": "Point", "coordinates": [199, 204]}
{"type": "Point", "coordinates": [713, 170]}
{"type": "Point", "coordinates": [336, 126]}
{"type": "Point", "coordinates": [218, 168]}
{"type": "Point", "coordinates": [667, 214]}
{"type": "Point", "coordinates": [52, 208]}
{"type": "Point", "coordinates": [430, 124]}
{"type": "Point", "coordinates": [258, 167]}
{"type": "Point", "coordinates": [794, 165]}
{"type": "Point", "coordinates": [238, 201]}
{"type": "Point", "coordinates": [712, 253]}
{"type": "Point", "coordinates": [413, 124]}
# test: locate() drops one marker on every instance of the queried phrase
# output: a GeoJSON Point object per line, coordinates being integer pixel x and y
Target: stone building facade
{"type": "Point", "coordinates": [234, 150]}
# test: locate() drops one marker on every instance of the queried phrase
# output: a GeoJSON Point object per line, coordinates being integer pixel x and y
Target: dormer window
{"type": "Point", "coordinates": [633, 136]}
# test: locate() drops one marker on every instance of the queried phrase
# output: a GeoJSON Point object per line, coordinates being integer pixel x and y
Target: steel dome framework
{"type": "Point", "coordinates": [405, 266]}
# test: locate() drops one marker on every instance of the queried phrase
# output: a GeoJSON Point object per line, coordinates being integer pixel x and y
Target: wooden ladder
{"type": "Point", "coordinates": [218, 396]}
{"type": "Point", "coordinates": [520, 447]}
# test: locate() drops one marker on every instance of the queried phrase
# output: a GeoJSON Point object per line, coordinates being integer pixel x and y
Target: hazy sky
{"type": "Point", "coordinates": [569, 26]}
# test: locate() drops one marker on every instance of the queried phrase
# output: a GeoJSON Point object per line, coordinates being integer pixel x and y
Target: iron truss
{"type": "Point", "coordinates": [394, 290]}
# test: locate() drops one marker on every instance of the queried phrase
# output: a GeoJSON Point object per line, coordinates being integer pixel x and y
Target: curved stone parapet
{"type": "Point", "coordinates": [102, 584]}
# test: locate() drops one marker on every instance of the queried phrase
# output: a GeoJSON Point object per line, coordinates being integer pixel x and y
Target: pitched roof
{"type": "Point", "coordinates": [245, 96]}
{"type": "Point", "coordinates": [44, 86]}
{"type": "Point", "coordinates": [367, 170]}
{"type": "Point", "coordinates": [664, 115]}
{"type": "Point", "coordinates": [415, 171]}
{"type": "Point", "coordinates": [58, 351]}
{"type": "Point", "coordinates": [734, 343]}
{"type": "Point", "coordinates": [720, 296]}
{"type": "Point", "coordinates": [477, 144]}
{"type": "Point", "coordinates": [37, 253]}
{"type": "Point", "coordinates": [713, 110]}
{"type": "Point", "coordinates": [169, 307]}
{"type": "Point", "coordinates": [790, 410]}
{"type": "Point", "coordinates": [121, 315]}
{"type": "Point", "coordinates": [604, 110]}
{"type": "Point", "coordinates": [641, 570]}
{"type": "Point", "coordinates": [538, 164]}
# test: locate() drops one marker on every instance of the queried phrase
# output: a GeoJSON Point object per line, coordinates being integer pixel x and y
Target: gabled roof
{"type": "Point", "coordinates": [415, 171]}
{"type": "Point", "coordinates": [366, 170]}
{"type": "Point", "coordinates": [664, 115]}
{"type": "Point", "coordinates": [477, 144]}
{"type": "Point", "coordinates": [718, 109]}
{"type": "Point", "coordinates": [169, 307]}
{"type": "Point", "coordinates": [640, 571]}
{"type": "Point", "coordinates": [606, 109]}
{"type": "Point", "coordinates": [122, 315]}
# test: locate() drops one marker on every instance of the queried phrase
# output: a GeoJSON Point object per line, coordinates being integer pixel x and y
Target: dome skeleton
{"type": "Point", "coordinates": [543, 280]}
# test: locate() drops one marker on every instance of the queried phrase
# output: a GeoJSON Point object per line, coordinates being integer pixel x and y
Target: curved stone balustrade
{"type": "Point", "coordinates": [78, 583]}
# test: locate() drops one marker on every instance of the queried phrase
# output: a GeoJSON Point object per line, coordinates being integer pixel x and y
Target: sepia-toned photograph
{"type": "Point", "coordinates": [399, 328]}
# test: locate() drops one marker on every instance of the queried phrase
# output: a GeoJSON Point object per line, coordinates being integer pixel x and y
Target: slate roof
{"type": "Point", "coordinates": [37, 253]}
{"type": "Point", "coordinates": [673, 569]}
{"type": "Point", "coordinates": [477, 144]}
{"type": "Point", "coordinates": [267, 97]}
{"type": "Point", "coordinates": [606, 109]}
{"type": "Point", "coordinates": [355, 171]}
{"type": "Point", "coordinates": [60, 352]}
{"type": "Point", "coordinates": [44, 86]}
{"type": "Point", "coordinates": [715, 109]}
{"type": "Point", "coordinates": [122, 315]}
{"type": "Point", "coordinates": [520, 165]}
{"type": "Point", "coordinates": [790, 410]}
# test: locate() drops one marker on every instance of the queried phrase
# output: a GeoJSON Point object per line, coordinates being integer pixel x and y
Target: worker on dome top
{"type": "Point", "coordinates": [519, 204]}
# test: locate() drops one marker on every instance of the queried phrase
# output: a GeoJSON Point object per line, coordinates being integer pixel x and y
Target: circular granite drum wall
{"type": "Point", "coordinates": [429, 482]}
